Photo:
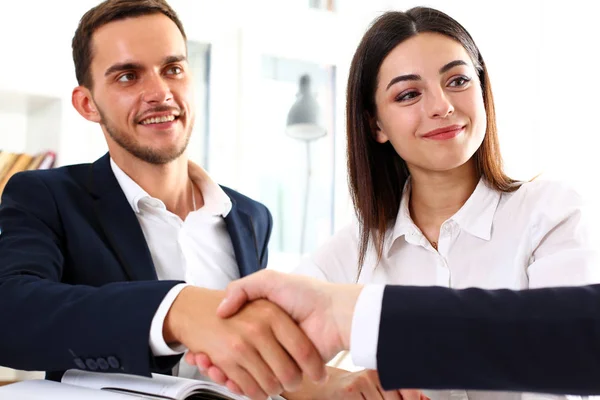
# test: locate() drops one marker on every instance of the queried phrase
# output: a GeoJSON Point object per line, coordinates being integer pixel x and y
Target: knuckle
{"type": "Point", "coordinates": [267, 307]}
{"type": "Point", "coordinates": [372, 374]}
{"type": "Point", "coordinates": [349, 389]}
{"type": "Point", "coordinates": [273, 387]}
{"type": "Point", "coordinates": [254, 392]}
{"type": "Point", "coordinates": [304, 351]}
{"type": "Point", "coordinates": [290, 376]}
{"type": "Point", "coordinates": [255, 330]}
{"type": "Point", "coordinates": [361, 381]}
{"type": "Point", "coordinates": [238, 345]}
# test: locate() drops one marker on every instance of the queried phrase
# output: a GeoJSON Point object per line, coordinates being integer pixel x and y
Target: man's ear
{"type": "Point", "coordinates": [82, 100]}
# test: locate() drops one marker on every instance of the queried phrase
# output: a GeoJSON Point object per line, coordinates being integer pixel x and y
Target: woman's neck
{"type": "Point", "coordinates": [437, 196]}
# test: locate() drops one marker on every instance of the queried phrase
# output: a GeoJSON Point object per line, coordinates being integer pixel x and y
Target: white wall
{"type": "Point", "coordinates": [13, 130]}
{"type": "Point", "coordinates": [541, 56]}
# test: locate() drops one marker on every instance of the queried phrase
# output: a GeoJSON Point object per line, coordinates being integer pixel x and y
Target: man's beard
{"type": "Point", "coordinates": [144, 153]}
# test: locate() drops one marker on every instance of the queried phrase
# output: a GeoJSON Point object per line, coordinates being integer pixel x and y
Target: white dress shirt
{"type": "Point", "coordinates": [197, 250]}
{"type": "Point", "coordinates": [534, 237]}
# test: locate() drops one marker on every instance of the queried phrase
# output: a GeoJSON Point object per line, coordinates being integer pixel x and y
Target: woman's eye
{"type": "Point", "coordinates": [459, 81]}
{"type": "Point", "coordinates": [406, 96]}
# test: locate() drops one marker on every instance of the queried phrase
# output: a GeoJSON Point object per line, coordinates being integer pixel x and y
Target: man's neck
{"type": "Point", "coordinates": [168, 182]}
{"type": "Point", "coordinates": [435, 197]}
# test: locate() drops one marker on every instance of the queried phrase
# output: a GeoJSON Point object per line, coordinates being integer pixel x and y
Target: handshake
{"type": "Point", "coordinates": [269, 331]}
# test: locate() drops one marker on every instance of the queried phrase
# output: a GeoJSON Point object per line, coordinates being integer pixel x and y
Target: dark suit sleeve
{"type": "Point", "coordinates": [264, 249]}
{"type": "Point", "coordinates": [53, 326]}
{"type": "Point", "coordinates": [540, 340]}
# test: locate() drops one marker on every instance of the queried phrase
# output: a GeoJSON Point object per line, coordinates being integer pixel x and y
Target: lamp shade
{"type": "Point", "coordinates": [304, 117]}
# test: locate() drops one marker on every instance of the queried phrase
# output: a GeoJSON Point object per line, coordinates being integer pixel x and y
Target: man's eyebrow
{"type": "Point", "coordinates": [129, 65]}
{"type": "Point", "coordinates": [122, 67]}
{"type": "Point", "coordinates": [174, 59]}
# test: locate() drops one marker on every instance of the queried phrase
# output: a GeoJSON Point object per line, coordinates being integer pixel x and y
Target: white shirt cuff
{"type": "Point", "coordinates": [365, 326]}
{"type": "Point", "coordinates": [157, 342]}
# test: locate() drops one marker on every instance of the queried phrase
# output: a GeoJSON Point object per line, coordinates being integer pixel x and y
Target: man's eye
{"type": "Point", "coordinates": [126, 77]}
{"type": "Point", "coordinates": [174, 71]}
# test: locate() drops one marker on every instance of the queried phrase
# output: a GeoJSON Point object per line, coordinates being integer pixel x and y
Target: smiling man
{"type": "Point", "coordinates": [117, 265]}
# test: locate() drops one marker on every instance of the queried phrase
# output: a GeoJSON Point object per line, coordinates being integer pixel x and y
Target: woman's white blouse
{"type": "Point", "coordinates": [534, 237]}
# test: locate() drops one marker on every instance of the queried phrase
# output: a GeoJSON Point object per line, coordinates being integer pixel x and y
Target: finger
{"type": "Point", "coordinates": [246, 383]}
{"type": "Point", "coordinates": [235, 298]}
{"type": "Point", "coordinates": [216, 375]}
{"type": "Point", "coordinates": [410, 394]}
{"type": "Point", "coordinates": [190, 358]}
{"type": "Point", "coordinates": [202, 361]}
{"type": "Point", "coordinates": [238, 293]}
{"type": "Point", "coordinates": [369, 391]}
{"type": "Point", "coordinates": [423, 397]}
{"type": "Point", "coordinates": [232, 386]}
{"type": "Point", "coordinates": [300, 348]}
{"type": "Point", "coordinates": [390, 394]}
{"type": "Point", "coordinates": [279, 360]}
{"type": "Point", "coordinates": [255, 365]}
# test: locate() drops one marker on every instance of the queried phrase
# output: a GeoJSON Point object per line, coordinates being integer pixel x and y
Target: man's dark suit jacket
{"type": "Point", "coordinates": [539, 340]}
{"type": "Point", "coordinates": [78, 288]}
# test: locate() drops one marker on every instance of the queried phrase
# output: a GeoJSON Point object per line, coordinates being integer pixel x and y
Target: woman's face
{"type": "Point", "coordinates": [429, 103]}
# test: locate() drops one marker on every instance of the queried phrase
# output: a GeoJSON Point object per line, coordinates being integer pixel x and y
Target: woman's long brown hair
{"type": "Point", "coordinates": [377, 174]}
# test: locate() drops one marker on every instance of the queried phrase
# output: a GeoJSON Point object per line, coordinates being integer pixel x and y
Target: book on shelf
{"type": "Point", "coordinates": [77, 384]}
{"type": "Point", "coordinates": [11, 163]}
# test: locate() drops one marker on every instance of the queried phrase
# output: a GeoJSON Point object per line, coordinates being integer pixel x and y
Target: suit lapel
{"type": "Point", "coordinates": [119, 222]}
{"type": "Point", "coordinates": [243, 238]}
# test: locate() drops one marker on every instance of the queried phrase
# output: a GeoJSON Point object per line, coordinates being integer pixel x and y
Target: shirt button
{"type": "Point", "coordinates": [91, 364]}
{"type": "Point", "coordinates": [102, 363]}
{"type": "Point", "coordinates": [113, 362]}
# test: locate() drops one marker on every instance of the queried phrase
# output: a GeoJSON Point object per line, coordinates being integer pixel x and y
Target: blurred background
{"type": "Point", "coordinates": [261, 64]}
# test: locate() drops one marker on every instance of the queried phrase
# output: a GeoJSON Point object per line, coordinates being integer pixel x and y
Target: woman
{"type": "Point", "coordinates": [434, 205]}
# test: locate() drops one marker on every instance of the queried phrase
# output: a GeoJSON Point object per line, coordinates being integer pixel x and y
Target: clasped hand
{"type": "Point", "coordinates": [261, 348]}
{"type": "Point", "coordinates": [323, 312]}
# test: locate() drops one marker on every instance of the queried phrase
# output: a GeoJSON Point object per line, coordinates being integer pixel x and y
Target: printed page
{"type": "Point", "coordinates": [168, 387]}
{"type": "Point", "coordinates": [42, 389]}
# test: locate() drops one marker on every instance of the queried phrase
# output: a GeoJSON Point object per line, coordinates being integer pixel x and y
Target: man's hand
{"type": "Point", "coordinates": [261, 348]}
{"type": "Point", "coordinates": [323, 310]}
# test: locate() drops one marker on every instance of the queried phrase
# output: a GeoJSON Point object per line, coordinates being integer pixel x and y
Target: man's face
{"type": "Point", "coordinates": [142, 87]}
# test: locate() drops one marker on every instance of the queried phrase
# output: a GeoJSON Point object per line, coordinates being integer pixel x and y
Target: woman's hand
{"type": "Point", "coordinates": [362, 385]}
{"type": "Point", "coordinates": [341, 384]}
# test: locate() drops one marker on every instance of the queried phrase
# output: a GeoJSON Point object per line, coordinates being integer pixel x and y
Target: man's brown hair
{"type": "Point", "coordinates": [102, 14]}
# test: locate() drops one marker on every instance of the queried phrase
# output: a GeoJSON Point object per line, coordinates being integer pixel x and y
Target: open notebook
{"type": "Point", "coordinates": [77, 384]}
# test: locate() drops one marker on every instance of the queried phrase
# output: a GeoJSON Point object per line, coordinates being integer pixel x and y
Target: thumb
{"type": "Point", "coordinates": [235, 298]}
{"type": "Point", "coordinates": [259, 285]}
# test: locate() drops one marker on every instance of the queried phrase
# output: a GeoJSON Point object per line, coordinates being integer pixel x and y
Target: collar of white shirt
{"type": "Point", "coordinates": [216, 201]}
{"type": "Point", "coordinates": [475, 216]}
